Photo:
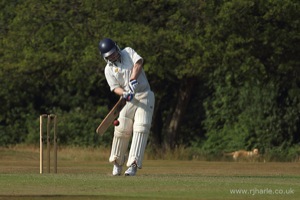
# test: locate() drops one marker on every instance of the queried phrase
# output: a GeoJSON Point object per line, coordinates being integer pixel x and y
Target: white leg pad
{"type": "Point", "coordinates": [120, 142]}
{"type": "Point", "coordinates": [141, 129]}
{"type": "Point", "coordinates": [137, 149]}
{"type": "Point", "coordinates": [118, 150]}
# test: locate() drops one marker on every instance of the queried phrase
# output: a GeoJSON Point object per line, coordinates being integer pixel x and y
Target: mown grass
{"type": "Point", "coordinates": [86, 174]}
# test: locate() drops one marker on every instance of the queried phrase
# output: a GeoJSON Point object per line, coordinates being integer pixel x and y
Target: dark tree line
{"type": "Point", "coordinates": [225, 73]}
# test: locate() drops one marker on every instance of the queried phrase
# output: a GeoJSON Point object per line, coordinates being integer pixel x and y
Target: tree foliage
{"type": "Point", "coordinates": [225, 73]}
{"type": "Point", "coordinates": [255, 100]}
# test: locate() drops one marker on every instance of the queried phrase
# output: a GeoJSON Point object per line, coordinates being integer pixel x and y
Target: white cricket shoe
{"type": "Point", "coordinates": [117, 170]}
{"type": "Point", "coordinates": [131, 171]}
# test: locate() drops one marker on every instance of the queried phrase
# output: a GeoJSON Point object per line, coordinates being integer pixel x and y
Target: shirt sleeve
{"type": "Point", "coordinates": [133, 54]}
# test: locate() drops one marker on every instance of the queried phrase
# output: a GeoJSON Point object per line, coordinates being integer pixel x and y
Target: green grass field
{"type": "Point", "coordinates": [86, 174]}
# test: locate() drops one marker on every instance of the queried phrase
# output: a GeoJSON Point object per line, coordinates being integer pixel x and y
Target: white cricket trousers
{"type": "Point", "coordinates": [136, 118]}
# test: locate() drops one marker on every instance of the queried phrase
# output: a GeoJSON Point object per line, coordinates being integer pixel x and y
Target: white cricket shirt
{"type": "Point", "coordinates": [118, 73]}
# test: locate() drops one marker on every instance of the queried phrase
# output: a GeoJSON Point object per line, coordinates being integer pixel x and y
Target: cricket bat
{"type": "Point", "coordinates": [111, 116]}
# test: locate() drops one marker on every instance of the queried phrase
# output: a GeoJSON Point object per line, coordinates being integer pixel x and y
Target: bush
{"type": "Point", "coordinates": [74, 128]}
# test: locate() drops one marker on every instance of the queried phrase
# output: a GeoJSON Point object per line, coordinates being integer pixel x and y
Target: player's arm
{"type": "Point", "coordinates": [125, 94]}
{"type": "Point", "coordinates": [119, 91]}
{"type": "Point", "coordinates": [136, 70]}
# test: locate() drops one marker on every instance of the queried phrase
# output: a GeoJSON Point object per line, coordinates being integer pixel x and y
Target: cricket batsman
{"type": "Point", "coordinates": [125, 76]}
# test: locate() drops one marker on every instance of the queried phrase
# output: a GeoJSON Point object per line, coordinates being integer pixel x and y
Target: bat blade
{"type": "Point", "coordinates": [111, 116]}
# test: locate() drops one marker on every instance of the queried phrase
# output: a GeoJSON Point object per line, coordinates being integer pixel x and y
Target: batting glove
{"type": "Point", "coordinates": [128, 96]}
{"type": "Point", "coordinates": [132, 85]}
